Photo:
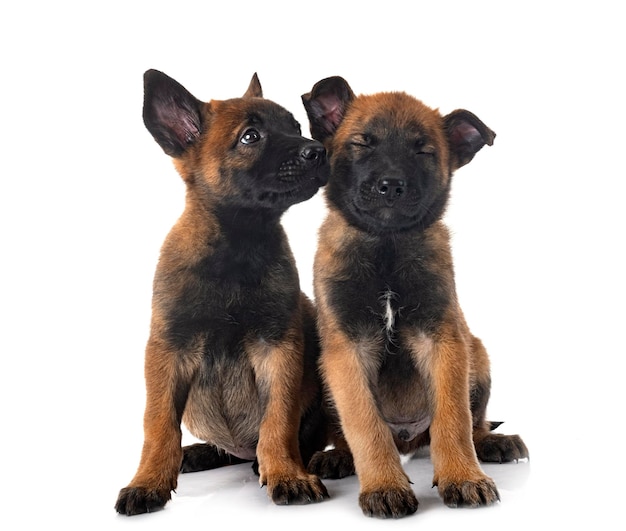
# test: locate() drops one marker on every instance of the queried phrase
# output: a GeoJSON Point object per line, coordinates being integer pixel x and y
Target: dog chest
{"type": "Point", "coordinates": [221, 304]}
{"type": "Point", "coordinates": [386, 289]}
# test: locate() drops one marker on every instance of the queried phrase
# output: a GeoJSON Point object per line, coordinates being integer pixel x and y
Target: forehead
{"type": "Point", "coordinates": [389, 112]}
{"type": "Point", "coordinates": [253, 111]}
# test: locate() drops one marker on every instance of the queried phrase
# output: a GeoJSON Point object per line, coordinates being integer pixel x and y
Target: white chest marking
{"type": "Point", "coordinates": [389, 315]}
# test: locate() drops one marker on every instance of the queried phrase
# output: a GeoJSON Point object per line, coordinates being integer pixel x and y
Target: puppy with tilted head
{"type": "Point", "coordinates": [401, 365]}
{"type": "Point", "coordinates": [233, 346]}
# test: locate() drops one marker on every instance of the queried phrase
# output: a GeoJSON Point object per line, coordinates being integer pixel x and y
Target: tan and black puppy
{"type": "Point", "coordinates": [401, 365]}
{"type": "Point", "coordinates": [233, 346]}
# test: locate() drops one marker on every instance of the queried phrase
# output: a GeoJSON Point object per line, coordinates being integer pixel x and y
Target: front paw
{"type": "Point", "coordinates": [388, 503]}
{"type": "Point", "coordinates": [499, 448]}
{"type": "Point", "coordinates": [299, 490]}
{"type": "Point", "coordinates": [469, 493]}
{"type": "Point", "coordinates": [332, 464]}
{"type": "Point", "coordinates": [139, 500]}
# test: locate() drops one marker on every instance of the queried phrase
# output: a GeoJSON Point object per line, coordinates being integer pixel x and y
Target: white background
{"type": "Point", "coordinates": [87, 196]}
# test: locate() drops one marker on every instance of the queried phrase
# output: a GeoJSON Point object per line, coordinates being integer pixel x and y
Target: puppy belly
{"type": "Point", "coordinates": [230, 424]}
{"type": "Point", "coordinates": [240, 442]}
{"type": "Point", "coordinates": [242, 453]}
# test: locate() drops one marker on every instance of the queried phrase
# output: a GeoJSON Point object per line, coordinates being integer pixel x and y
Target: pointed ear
{"type": "Point", "coordinates": [170, 113]}
{"type": "Point", "coordinates": [254, 89]}
{"type": "Point", "coordinates": [326, 105]}
{"type": "Point", "coordinates": [466, 136]}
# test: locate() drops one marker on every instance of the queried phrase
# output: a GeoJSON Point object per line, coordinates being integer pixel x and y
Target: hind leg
{"type": "Point", "coordinates": [499, 448]}
{"type": "Point", "coordinates": [204, 456]}
{"type": "Point", "coordinates": [490, 447]}
{"type": "Point", "coordinates": [335, 463]}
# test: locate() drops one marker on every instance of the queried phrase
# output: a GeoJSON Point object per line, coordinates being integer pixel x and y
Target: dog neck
{"type": "Point", "coordinates": [247, 223]}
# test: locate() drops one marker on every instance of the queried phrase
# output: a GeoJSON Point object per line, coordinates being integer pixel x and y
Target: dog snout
{"type": "Point", "coordinates": [313, 152]}
{"type": "Point", "coordinates": [391, 189]}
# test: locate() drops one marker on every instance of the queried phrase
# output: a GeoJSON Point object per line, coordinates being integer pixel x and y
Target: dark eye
{"type": "Point", "coordinates": [250, 136]}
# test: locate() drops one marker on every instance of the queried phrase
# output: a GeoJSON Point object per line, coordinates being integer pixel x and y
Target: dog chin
{"type": "Point", "coordinates": [382, 220]}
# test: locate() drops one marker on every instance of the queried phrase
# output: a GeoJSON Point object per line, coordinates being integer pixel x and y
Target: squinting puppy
{"type": "Point", "coordinates": [401, 366]}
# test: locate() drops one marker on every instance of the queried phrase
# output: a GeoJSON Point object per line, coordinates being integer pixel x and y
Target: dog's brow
{"type": "Point", "coordinates": [254, 118]}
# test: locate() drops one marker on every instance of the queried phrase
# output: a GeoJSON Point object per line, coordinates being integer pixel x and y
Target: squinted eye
{"type": "Point", "coordinates": [250, 136]}
{"type": "Point", "coordinates": [422, 148]}
{"type": "Point", "coordinates": [364, 141]}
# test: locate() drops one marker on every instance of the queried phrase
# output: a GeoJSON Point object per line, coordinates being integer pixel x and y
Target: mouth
{"type": "Point", "coordinates": [289, 195]}
{"type": "Point", "coordinates": [294, 181]}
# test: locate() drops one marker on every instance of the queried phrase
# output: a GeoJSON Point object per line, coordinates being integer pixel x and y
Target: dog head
{"type": "Point", "coordinates": [392, 157]}
{"type": "Point", "coordinates": [241, 152]}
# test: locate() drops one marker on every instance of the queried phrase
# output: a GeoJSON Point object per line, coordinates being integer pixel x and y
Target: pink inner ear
{"type": "Point", "coordinates": [465, 133]}
{"type": "Point", "coordinates": [188, 129]}
{"type": "Point", "coordinates": [329, 110]}
{"type": "Point", "coordinates": [179, 122]}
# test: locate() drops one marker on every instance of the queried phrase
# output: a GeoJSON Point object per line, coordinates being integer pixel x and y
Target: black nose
{"type": "Point", "coordinates": [391, 188]}
{"type": "Point", "coordinates": [314, 151]}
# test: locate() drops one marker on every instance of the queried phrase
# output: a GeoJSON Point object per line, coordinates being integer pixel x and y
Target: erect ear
{"type": "Point", "coordinates": [170, 113]}
{"type": "Point", "coordinates": [466, 136]}
{"type": "Point", "coordinates": [326, 105]}
{"type": "Point", "coordinates": [254, 89]}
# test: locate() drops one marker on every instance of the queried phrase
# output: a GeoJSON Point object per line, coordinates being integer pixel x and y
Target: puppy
{"type": "Point", "coordinates": [401, 366]}
{"type": "Point", "coordinates": [233, 345]}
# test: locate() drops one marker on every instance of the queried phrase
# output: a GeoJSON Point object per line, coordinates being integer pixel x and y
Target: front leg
{"type": "Point", "coordinates": [166, 395]}
{"type": "Point", "coordinates": [444, 359]}
{"type": "Point", "coordinates": [279, 369]}
{"type": "Point", "coordinates": [385, 490]}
